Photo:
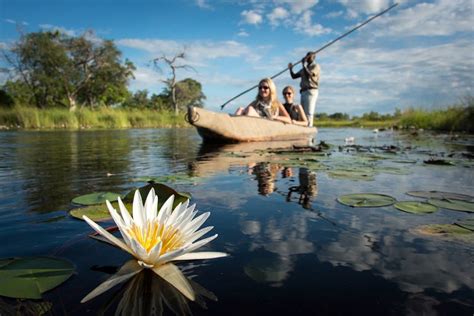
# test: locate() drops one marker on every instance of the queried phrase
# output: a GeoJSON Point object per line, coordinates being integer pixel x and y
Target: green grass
{"type": "Point", "coordinates": [57, 118]}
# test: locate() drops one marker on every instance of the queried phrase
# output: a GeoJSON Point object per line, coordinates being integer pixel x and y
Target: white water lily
{"type": "Point", "coordinates": [155, 238]}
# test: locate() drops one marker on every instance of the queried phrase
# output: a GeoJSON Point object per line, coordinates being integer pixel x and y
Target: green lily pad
{"type": "Point", "coordinates": [97, 212]}
{"type": "Point", "coordinates": [96, 198]}
{"type": "Point", "coordinates": [31, 277]}
{"type": "Point", "coordinates": [466, 223]}
{"type": "Point", "coordinates": [415, 207]}
{"type": "Point", "coordinates": [447, 231]}
{"type": "Point", "coordinates": [163, 192]}
{"type": "Point", "coordinates": [454, 205]}
{"type": "Point", "coordinates": [440, 195]}
{"type": "Point", "coordinates": [366, 200]}
{"type": "Point", "coordinates": [351, 175]}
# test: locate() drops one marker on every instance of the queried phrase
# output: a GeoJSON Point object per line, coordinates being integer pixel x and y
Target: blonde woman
{"type": "Point", "coordinates": [266, 104]}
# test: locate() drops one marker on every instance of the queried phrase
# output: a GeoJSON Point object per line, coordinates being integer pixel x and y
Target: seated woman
{"type": "Point", "coordinates": [266, 104]}
{"type": "Point", "coordinates": [295, 111]}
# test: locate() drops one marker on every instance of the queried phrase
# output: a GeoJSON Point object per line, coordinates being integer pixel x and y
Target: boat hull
{"type": "Point", "coordinates": [225, 128]}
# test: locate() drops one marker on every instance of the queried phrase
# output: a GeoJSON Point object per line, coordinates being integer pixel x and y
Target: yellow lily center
{"type": "Point", "coordinates": [153, 232]}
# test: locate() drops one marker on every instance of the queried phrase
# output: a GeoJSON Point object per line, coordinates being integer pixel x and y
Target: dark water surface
{"type": "Point", "coordinates": [293, 248]}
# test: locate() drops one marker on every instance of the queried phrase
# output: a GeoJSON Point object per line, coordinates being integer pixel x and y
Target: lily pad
{"type": "Point", "coordinates": [454, 205]}
{"type": "Point", "coordinates": [96, 198]}
{"type": "Point", "coordinates": [366, 200]}
{"type": "Point", "coordinates": [466, 223]}
{"type": "Point", "coordinates": [440, 195]}
{"type": "Point", "coordinates": [31, 277]}
{"type": "Point", "coordinates": [163, 192]}
{"type": "Point", "coordinates": [447, 231]}
{"type": "Point", "coordinates": [97, 212]}
{"type": "Point", "coordinates": [351, 175]}
{"type": "Point", "coordinates": [415, 207]}
{"type": "Point", "coordinates": [439, 162]}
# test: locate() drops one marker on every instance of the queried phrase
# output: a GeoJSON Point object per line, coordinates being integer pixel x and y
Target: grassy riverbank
{"type": "Point", "coordinates": [451, 119]}
{"type": "Point", "coordinates": [454, 118]}
{"type": "Point", "coordinates": [33, 118]}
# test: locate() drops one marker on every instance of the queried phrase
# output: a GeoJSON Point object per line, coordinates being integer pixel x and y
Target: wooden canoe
{"type": "Point", "coordinates": [225, 128]}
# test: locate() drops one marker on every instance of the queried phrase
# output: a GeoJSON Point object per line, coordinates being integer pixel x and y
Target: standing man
{"type": "Point", "coordinates": [309, 84]}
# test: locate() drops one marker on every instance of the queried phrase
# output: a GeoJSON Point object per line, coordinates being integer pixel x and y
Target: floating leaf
{"type": "Point", "coordinates": [466, 223]}
{"type": "Point", "coordinates": [439, 162]}
{"type": "Point", "coordinates": [96, 198]}
{"type": "Point", "coordinates": [440, 195]}
{"type": "Point", "coordinates": [404, 161]}
{"type": "Point", "coordinates": [31, 277]}
{"type": "Point", "coordinates": [351, 175]}
{"type": "Point", "coordinates": [454, 205]}
{"type": "Point", "coordinates": [415, 207]}
{"type": "Point", "coordinates": [97, 212]}
{"type": "Point", "coordinates": [162, 191]}
{"type": "Point", "coordinates": [447, 231]}
{"type": "Point", "coordinates": [366, 200]}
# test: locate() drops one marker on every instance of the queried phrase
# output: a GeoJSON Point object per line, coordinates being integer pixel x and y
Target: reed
{"type": "Point", "coordinates": [57, 118]}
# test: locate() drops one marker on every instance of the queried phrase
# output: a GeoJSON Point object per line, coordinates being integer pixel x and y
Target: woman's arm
{"type": "Point", "coordinates": [302, 115]}
{"type": "Point", "coordinates": [282, 115]}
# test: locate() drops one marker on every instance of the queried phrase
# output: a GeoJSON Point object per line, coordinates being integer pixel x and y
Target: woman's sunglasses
{"type": "Point", "coordinates": [264, 87]}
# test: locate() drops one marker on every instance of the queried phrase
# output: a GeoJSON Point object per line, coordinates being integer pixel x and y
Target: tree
{"type": "Point", "coordinates": [64, 70]}
{"type": "Point", "coordinates": [171, 82]}
{"type": "Point", "coordinates": [188, 93]}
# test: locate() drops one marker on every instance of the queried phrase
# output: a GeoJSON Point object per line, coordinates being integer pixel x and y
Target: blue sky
{"type": "Point", "coordinates": [419, 54]}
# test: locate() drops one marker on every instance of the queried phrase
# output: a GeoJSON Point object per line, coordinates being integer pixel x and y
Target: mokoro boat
{"type": "Point", "coordinates": [225, 128]}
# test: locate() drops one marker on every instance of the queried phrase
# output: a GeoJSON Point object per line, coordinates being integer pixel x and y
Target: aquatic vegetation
{"type": "Point", "coordinates": [95, 198]}
{"type": "Point", "coordinates": [454, 205]}
{"type": "Point", "coordinates": [446, 231]}
{"type": "Point", "coordinates": [440, 195]}
{"type": "Point", "coordinates": [415, 207]}
{"type": "Point", "coordinates": [366, 200]}
{"type": "Point", "coordinates": [31, 277]}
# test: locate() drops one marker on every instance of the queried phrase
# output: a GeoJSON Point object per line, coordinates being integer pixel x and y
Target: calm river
{"type": "Point", "coordinates": [294, 249]}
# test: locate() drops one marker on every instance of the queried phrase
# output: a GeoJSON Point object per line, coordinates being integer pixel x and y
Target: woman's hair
{"type": "Point", "coordinates": [289, 88]}
{"type": "Point", "coordinates": [273, 93]}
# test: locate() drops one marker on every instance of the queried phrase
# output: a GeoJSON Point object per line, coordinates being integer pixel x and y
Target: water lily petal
{"type": "Point", "coordinates": [175, 277]}
{"type": "Point", "coordinates": [195, 236]}
{"type": "Point", "coordinates": [149, 205]}
{"type": "Point", "coordinates": [154, 253]}
{"type": "Point", "coordinates": [138, 251]}
{"type": "Point", "coordinates": [201, 255]}
{"type": "Point", "coordinates": [195, 223]}
{"type": "Point", "coordinates": [118, 220]}
{"type": "Point", "coordinates": [127, 219]}
{"type": "Point", "coordinates": [169, 256]}
{"type": "Point", "coordinates": [127, 271]}
{"type": "Point", "coordinates": [200, 243]}
{"type": "Point", "coordinates": [138, 214]}
{"type": "Point", "coordinates": [107, 235]}
{"type": "Point", "coordinates": [165, 209]}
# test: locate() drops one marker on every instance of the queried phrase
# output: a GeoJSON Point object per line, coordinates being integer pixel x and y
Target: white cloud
{"type": "Point", "coordinates": [441, 18]}
{"type": "Point", "coordinates": [277, 15]}
{"type": "Point", "coordinates": [298, 6]}
{"type": "Point", "coordinates": [305, 25]}
{"type": "Point", "coordinates": [354, 8]}
{"type": "Point", "coordinates": [334, 14]}
{"type": "Point", "coordinates": [251, 17]}
{"type": "Point", "coordinates": [243, 33]}
{"type": "Point", "coordinates": [197, 52]}
{"type": "Point", "coordinates": [61, 29]}
{"type": "Point", "coordinates": [203, 4]}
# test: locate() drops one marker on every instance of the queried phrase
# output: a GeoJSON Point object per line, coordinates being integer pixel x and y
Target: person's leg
{"type": "Point", "coordinates": [304, 99]}
{"type": "Point", "coordinates": [312, 99]}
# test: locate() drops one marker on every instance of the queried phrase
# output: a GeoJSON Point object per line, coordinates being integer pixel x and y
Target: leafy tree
{"type": "Point", "coordinates": [64, 70]}
{"type": "Point", "coordinates": [339, 116]}
{"type": "Point", "coordinates": [188, 93]}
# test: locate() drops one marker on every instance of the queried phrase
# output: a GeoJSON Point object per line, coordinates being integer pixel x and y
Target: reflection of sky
{"type": "Point", "coordinates": [277, 235]}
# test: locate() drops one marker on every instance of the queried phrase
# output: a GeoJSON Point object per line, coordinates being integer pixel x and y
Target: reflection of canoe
{"type": "Point", "coordinates": [222, 127]}
{"type": "Point", "coordinates": [214, 159]}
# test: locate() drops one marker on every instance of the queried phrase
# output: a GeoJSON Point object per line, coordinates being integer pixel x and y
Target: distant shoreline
{"type": "Point", "coordinates": [451, 119]}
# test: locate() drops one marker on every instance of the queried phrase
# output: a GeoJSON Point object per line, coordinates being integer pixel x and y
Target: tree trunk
{"type": "Point", "coordinates": [72, 103]}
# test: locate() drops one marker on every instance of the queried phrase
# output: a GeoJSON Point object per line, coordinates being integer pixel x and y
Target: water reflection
{"type": "Point", "coordinates": [307, 188]}
{"type": "Point", "coordinates": [146, 293]}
